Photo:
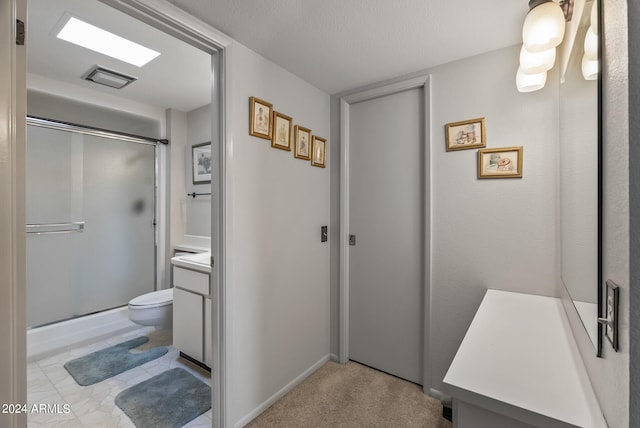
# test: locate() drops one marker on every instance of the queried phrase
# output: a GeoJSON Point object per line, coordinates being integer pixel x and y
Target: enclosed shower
{"type": "Point", "coordinates": [91, 223]}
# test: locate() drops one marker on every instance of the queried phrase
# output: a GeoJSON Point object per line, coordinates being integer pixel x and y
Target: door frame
{"type": "Point", "coordinates": [13, 330]}
{"type": "Point", "coordinates": [169, 19]}
{"type": "Point", "coordinates": [172, 20]}
{"type": "Point", "coordinates": [421, 81]}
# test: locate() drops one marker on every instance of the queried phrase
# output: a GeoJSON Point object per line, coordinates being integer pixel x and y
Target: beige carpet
{"type": "Point", "coordinates": [353, 395]}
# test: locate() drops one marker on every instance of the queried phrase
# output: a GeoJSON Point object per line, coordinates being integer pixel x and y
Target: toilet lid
{"type": "Point", "coordinates": [155, 298]}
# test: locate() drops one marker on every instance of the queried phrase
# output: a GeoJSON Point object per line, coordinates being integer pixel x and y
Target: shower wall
{"type": "Point", "coordinates": [92, 201]}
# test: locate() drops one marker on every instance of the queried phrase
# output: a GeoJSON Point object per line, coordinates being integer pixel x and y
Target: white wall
{"type": "Point", "coordinates": [498, 233]}
{"type": "Point", "coordinates": [198, 210]}
{"type": "Point", "coordinates": [177, 224]}
{"type": "Point", "coordinates": [278, 270]}
{"type": "Point", "coordinates": [489, 233]}
{"type": "Point", "coordinates": [610, 375]}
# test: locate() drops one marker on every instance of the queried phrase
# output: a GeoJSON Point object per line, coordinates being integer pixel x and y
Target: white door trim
{"type": "Point", "coordinates": [13, 330]}
{"type": "Point", "coordinates": [422, 81]}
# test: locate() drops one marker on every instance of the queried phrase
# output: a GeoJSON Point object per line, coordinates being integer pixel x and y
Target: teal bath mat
{"type": "Point", "coordinates": [109, 362]}
{"type": "Point", "coordinates": [168, 400]}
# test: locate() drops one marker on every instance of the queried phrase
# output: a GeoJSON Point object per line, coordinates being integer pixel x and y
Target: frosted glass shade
{"type": "Point", "coordinates": [594, 17]}
{"type": "Point", "coordinates": [591, 45]}
{"type": "Point", "coordinates": [543, 27]}
{"type": "Point", "coordinates": [589, 68]}
{"type": "Point", "coordinates": [530, 82]}
{"type": "Point", "coordinates": [532, 63]}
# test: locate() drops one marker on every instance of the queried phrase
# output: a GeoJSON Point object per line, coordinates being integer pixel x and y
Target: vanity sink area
{"type": "Point", "coordinates": [200, 262]}
{"type": "Point", "coordinates": [192, 307]}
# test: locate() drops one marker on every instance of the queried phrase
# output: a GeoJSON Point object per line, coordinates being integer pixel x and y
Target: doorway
{"type": "Point", "coordinates": [166, 18]}
{"type": "Point", "coordinates": [385, 214]}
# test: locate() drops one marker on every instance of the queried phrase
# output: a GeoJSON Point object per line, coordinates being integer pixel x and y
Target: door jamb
{"type": "Point", "coordinates": [422, 81]}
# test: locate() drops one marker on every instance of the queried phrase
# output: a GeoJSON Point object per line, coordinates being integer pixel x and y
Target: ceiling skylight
{"type": "Point", "coordinates": [104, 42]}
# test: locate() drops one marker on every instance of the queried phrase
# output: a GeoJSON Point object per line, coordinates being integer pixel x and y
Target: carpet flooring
{"type": "Point", "coordinates": [351, 396]}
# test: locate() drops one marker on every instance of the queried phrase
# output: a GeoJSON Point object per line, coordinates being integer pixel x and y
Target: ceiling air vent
{"type": "Point", "coordinates": [107, 77]}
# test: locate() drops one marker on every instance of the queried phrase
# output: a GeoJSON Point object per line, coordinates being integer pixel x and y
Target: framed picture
{"type": "Point", "coordinates": [260, 115]}
{"type": "Point", "coordinates": [468, 134]}
{"type": "Point", "coordinates": [318, 151]}
{"type": "Point", "coordinates": [302, 144]}
{"type": "Point", "coordinates": [201, 163]}
{"type": "Point", "coordinates": [282, 131]}
{"type": "Point", "coordinates": [504, 162]}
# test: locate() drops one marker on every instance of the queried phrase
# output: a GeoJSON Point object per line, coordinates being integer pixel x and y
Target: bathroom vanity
{"type": "Point", "coordinates": [192, 307]}
{"type": "Point", "coordinates": [519, 367]}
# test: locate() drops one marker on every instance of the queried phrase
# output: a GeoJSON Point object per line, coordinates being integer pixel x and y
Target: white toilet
{"type": "Point", "coordinates": [153, 309]}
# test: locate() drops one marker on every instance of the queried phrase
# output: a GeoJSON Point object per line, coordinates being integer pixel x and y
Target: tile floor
{"type": "Point", "coordinates": [48, 382]}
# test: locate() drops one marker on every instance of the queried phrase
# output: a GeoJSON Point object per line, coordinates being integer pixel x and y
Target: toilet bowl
{"type": "Point", "coordinates": [153, 309]}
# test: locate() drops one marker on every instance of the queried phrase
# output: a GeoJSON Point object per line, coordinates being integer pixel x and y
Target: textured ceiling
{"type": "Point", "coordinates": [341, 44]}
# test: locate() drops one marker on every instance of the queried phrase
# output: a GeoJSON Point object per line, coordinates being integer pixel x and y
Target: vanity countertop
{"type": "Point", "coordinates": [200, 262]}
{"type": "Point", "coordinates": [519, 358]}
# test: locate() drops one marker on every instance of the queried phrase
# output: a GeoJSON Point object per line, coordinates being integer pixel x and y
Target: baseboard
{"type": "Point", "coordinates": [335, 358]}
{"type": "Point", "coordinates": [439, 395]}
{"type": "Point", "coordinates": [281, 393]}
{"type": "Point", "coordinates": [47, 340]}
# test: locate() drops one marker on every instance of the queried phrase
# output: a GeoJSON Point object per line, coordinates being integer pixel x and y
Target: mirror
{"type": "Point", "coordinates": [580, 143]}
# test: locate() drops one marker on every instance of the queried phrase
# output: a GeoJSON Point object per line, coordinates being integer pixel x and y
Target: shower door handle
{"type": "Point", "coordinates": [49, 228]}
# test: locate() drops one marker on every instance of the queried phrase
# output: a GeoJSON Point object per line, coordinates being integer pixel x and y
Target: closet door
{"type": "Point", "coordinates": [386, 199]}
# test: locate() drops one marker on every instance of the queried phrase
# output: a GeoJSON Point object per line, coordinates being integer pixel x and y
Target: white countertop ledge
{"type": "Point", "coordinates": [200, 262]}
{"type": "Point", "coordinates": [519, 359]}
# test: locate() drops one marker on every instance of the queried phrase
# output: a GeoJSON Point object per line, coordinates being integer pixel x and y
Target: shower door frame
{"type": "Point", "coordinates": [58, 125]}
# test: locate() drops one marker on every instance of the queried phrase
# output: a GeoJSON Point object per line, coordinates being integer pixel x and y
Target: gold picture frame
{"type": "Point", "coordinates": [282, 131]}
{"type": "Point", "coordinates": [503, 162]}
{"type": "Point", "coordinates": [302, 143]}
{"type": "Point", "coordinates": [260, 117]}
{"type": "Point", "coordinates": [466, 134]}
{"type": "Point", "coordinates": [318, 152]}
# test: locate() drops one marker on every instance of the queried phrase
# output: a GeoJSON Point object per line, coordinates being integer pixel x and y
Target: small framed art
{"type": "Point", "coordinates": [260, 114]}
{"type": "Point", "coordinates": [282, 131]}
{"type": "Point", "coordinates": [201, 163]}
{"type": "Point", "coordinates": [318, 151]}
{"type": "Point", "coordinates": [467, 134]}
{"type": "Point", "coordinates": [503, 162]}
{"type": "Point", "coordinates": [302, 144]}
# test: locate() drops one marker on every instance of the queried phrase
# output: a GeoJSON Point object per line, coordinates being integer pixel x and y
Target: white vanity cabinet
{"type": "Point", "coordinates": [519, 367]}
{"type": "Point", "coordinates": [192, 307]}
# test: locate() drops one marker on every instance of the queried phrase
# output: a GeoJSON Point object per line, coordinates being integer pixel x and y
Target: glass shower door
{"type": "Point", "coordinates": [90, 216]}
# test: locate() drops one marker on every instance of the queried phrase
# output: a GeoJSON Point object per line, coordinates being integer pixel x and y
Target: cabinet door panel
{"type": "Point", "coordinates": [187, 323]}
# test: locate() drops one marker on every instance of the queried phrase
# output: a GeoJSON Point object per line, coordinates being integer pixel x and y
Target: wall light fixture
{"type": "Point", "coordinates": [542, 32]}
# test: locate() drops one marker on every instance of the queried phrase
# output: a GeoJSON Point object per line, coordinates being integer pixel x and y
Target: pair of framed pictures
{"type": "Point", "coordinates": [266, 123]}
{"type": "Point", "coordinates": [503, 162]}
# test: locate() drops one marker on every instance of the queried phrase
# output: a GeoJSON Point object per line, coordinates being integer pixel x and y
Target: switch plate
{"type": "Point", "coordinates": [611, 307]}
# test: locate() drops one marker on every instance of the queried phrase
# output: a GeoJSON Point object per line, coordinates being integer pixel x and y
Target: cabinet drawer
{"type": "Point", "coordinates": [197, 282]}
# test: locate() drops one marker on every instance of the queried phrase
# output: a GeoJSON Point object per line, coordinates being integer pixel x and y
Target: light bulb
{"type": "Point", "coordinates": [543, 27]}
{"type": "Point", "coordinates": [530, 82]}
{"type": "Point", "coordinates": [532, 63]}
{"type": "Point", "coordinates": [589, 68]}
{"type": "Point", "coordinates": [591, 45]}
